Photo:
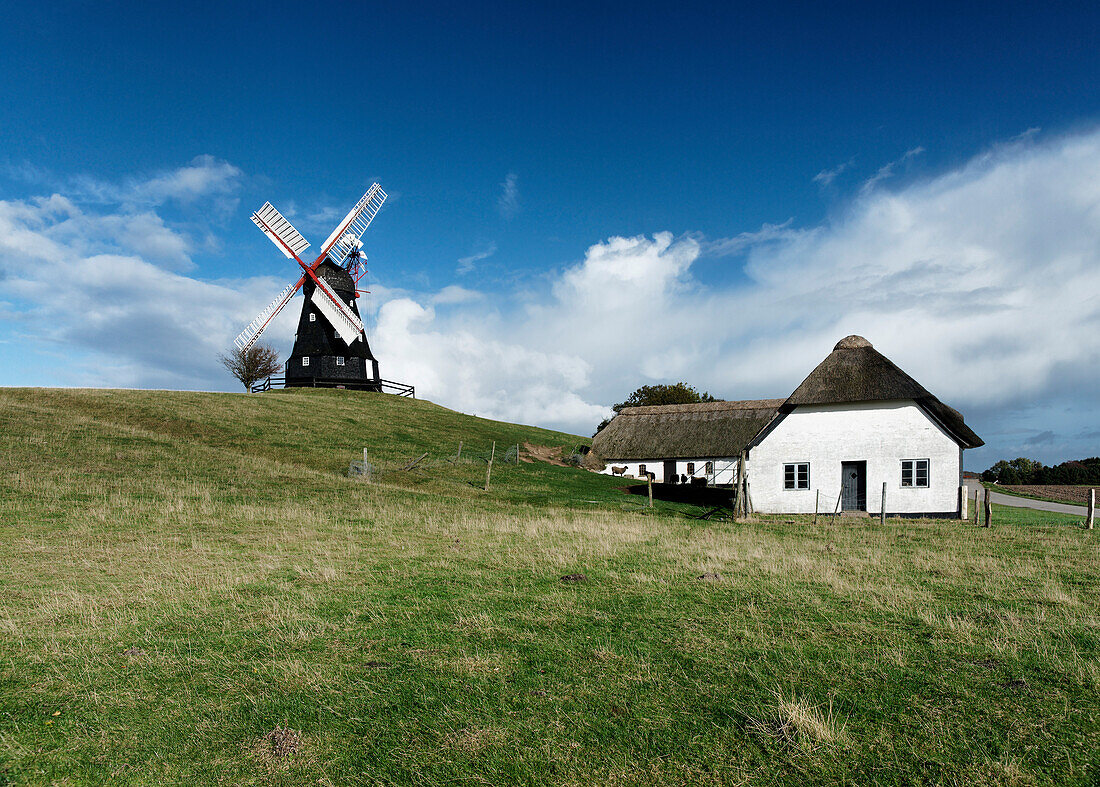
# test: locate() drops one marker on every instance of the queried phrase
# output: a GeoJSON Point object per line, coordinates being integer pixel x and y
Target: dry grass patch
{"type": "Point", "coordinates": [797, 722]}
{"type": "Point", "coordinates": [279, 749]}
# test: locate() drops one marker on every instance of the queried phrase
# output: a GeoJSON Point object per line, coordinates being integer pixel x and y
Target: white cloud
{"type": "Point", "coordinates": [827, 176]}
{"type": "Point", "coordinates": [467, 264]}
{"type": "Point", "coordinates": [743, 242]}
{"type": "Point", "coordinates": [204, 178]}
{"type": "Point", "coordinates": [466, 367]}
{"type": "Point", "coordinates": [887, 170]}
{"type": "Point", "coordinates": [79, 280]}
{"type": "Point", "coordinates": [508, 202]}
{"type": "Point", "coordinates": [452, 294]}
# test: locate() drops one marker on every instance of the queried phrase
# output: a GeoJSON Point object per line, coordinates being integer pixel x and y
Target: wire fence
{"type": "Point", "coordinates": [444, 464]}
{"type": "Point", "coordinates": [371, 471]}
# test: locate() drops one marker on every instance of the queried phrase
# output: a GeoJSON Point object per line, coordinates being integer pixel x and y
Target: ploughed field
{"type": "Point", "coordinates": [192, 591]}
{"type": "Point", "coordinates": [1062, 493]}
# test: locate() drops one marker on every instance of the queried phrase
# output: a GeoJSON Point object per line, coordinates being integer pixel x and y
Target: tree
{"type": "Point", "coordinates": [647, 395]}
{"type": "Point", "coordinates": [1020, 470]}
{"type": "Point", "coordinates": [251, 365]}
{"type": "Point", "coordinates": [1029, 471]}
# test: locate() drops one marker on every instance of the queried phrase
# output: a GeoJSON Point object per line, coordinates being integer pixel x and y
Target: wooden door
{"type": "Point", "coordinates": [670, 476]}
{"type": "Point", "coordinates": [853, 486]}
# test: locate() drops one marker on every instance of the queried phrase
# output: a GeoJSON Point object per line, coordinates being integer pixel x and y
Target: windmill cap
{"type": "Point", "coordinates": [851, 343]}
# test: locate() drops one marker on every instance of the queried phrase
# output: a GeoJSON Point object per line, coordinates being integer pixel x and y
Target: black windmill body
{"type": "Point", "coordinates": [330, 348]}
{"type": "Point", "coordinates": [320, 356]}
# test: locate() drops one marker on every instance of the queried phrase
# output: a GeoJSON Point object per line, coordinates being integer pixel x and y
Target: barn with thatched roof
{"type": "Point", "coordinates": [855, 423]}
{"type": "Point", "coordinates": [678, 442]}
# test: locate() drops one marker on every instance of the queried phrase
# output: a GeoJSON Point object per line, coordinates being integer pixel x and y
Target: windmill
{"type": "Point", "coordinates": [331, 349]}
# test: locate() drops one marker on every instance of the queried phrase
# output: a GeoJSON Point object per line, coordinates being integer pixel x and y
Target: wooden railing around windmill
{"type": "Point", "coordinates": [388, 386]}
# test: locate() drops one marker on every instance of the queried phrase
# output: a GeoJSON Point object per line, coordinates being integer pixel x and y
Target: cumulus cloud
{"type": "Point", "coordinates": [111, 284]}
{"type": "Point", "coordinates": [472, 367]}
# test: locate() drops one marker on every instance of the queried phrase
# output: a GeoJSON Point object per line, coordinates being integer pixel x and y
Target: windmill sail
{"type": "Point", "coordinates": [281, 232]}
{"type": "Point", "coordinates": [344, 239]}
{"type": "Point", "coordinates": [250, 334]}
{"type": "Point", "coordinates": [343, 319]}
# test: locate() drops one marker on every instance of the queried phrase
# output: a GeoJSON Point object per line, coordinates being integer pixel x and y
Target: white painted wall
{"type": "Point", "coordinates": [725, 468]}
{"type": "Point", "coordinates": [880, 433]}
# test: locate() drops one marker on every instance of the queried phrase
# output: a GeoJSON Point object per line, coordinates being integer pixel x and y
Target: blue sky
{"type": "Point", "coordinates": [582, 199]}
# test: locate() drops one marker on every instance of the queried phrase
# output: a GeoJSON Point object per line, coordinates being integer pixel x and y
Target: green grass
{"type": "Point", "coordinates": [417, 631]}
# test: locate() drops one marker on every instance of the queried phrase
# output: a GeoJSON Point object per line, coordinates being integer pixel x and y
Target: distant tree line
{"type": "Point", "coordinates": [648, 395]}
{"type": "Point", "coordinates": [1029, 471]}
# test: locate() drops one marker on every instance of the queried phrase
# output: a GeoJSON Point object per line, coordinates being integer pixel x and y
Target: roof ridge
{"type": "Point", "coordinates": [701, 407]}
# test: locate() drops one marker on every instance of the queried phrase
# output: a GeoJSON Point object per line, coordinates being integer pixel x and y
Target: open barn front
{"type": "Point", "coordinates": [693, 494]}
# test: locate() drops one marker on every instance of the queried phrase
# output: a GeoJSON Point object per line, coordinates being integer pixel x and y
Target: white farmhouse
{"type": "Point", "coordinates": [855, 423]}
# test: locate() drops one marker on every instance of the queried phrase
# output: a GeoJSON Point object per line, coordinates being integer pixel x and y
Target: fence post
{"type": "Point", "coordinates": [962, 503]}
{"type": "Point", "coordinates": [649, 483]}
{"type": "Point", "coordinates": [1092, 509]}
{"type": "Point", "coordinates": [489, 470]}
{"type": "Point", "coordinates": [882, 511]}
{"type": "Point", "coordinates": [817, 505]}
{"type": "Point", "coordinates": [459, 457]}
{"type": "Point", "coordinates": [988, 509]}
{"type": "Point", "coordinates": [738, 490]}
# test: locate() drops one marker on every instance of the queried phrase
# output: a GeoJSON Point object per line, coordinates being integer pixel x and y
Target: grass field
{"type": "Point", "coordinates": [191, 592]}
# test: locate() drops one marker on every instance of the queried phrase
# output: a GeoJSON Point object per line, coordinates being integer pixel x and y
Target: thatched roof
{"type": "Point", "coordinates": [684, 431]}
{"type": "Point", "coordinates": [856, 372]}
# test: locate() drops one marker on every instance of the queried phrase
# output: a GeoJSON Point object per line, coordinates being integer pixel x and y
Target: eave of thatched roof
{"type": "Point", "coordinates": [684, 431]}
{"type": "Point", "coordinates": [856, 372]}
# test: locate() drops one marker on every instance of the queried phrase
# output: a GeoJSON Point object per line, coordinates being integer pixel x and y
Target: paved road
{"type": "Point", "coordinates": [1038, 505]}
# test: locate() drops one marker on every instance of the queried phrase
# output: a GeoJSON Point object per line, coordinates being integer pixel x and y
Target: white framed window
{"type": "Point", "coordinates": [914, 472]}
{"type": "Point", "coordinates": [339, 360]}
{"type": "Point", "coordinates": [691, 468]}
{"type": "Point", "coordinates": [312, 317]}
{"type": "Point", "coordinates": [709, 468]}
{"type": "Point", "coordinates": [305, 360]}
{"type": "Point", "coordinates": [641, 469]}
{"type": "Point", "coordinates": [796, 475]}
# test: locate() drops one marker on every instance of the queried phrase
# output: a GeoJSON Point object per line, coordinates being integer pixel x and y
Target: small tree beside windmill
{"type": "Point", "coordinates": [252, 365]}
{"type": "Point", "coordinates": [330, 347]}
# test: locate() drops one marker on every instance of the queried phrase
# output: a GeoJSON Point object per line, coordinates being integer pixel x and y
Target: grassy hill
{"type": "Point", "coordinates": [192, 591]}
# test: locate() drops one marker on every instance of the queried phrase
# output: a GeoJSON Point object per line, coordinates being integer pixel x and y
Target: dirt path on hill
{"type": "Point", "coordinates": [542, 453]}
